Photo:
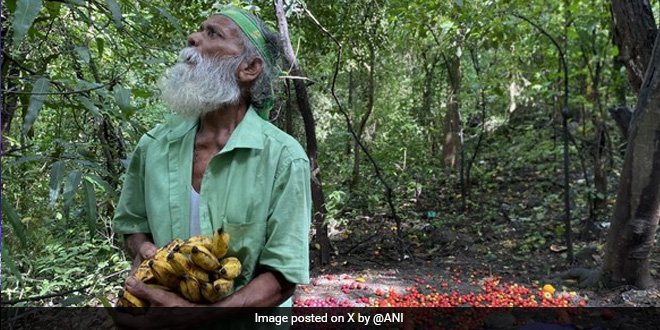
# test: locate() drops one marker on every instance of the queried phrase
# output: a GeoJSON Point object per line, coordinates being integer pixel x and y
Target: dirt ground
{"type": "Point", "coordinates": [452, 259]}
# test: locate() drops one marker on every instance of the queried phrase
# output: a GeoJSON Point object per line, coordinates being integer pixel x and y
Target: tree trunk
{"type": "Point", "coordinates": [637, 209]}
{"type": "Point", "coordinates": [599, 145]}
{"type": "Point", "coordinates": [351, 87]}
{"type": "Point", "coordinates": [634, 33]}
{"type": "Point", "coordinates": [451, 148]}
{"type": "Point", "coordinates": [424, 117]}
{"type": "Point", "coordinates": [310, 132]}
{"type": "Point", "coordinates": [365, 117]}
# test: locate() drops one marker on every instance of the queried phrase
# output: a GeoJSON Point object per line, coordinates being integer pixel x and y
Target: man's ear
{"type": "Point", "coordinates": [249, 70]}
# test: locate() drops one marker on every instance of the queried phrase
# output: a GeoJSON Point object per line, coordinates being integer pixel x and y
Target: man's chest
{"type": "Point", "coordinates": [234, 186]}
{"type": "Point", "coordinates": [201, 158]}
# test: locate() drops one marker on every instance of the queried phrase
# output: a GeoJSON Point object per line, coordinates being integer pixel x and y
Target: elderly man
{"type": "Point", "coordinates": [218, 164]}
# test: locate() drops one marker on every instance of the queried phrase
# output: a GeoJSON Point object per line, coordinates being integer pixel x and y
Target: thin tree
{"type": "Point", "coordinates": [318, 200]}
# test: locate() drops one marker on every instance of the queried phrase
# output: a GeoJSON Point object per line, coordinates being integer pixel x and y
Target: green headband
{"type": "Point", "coordinates": [258, 39]}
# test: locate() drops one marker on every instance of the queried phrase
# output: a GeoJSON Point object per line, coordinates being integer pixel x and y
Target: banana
{"type": "Point", "coordinates": [134, 304]}
{"type": "Point", "coordinates": [223, 286]}
{"type": "Point", "coordinates": [164, 274]}
{"type": "Point", "coordinates": [220, 243]}
{"type": "Point", "coordinates": [230, 268]}
{"type": "Point", "coordinates": [210, 294]}
{"type": "Point", "coordinates": [180, 264]}
{"type": "Point", "coordinates": [132, 300]}
{"type": "Point", "coordinates": [199, 240]}
{"type": "Point", "coordinates": [200, 274]}
{"type": "Point", "coordinates": [162, 253]}
{"type": "Point", "coordinates": [202, 257]}
{"type": "Point", "coordinates": [144, 273]}
{"type": "Point", "coordinates": [190, 288]}
{"type": "Point", "coordinates": [173, 243]}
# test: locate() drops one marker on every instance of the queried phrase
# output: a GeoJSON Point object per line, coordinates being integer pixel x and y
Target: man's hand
{"type": "Point", "coordinates": [266, 290]}
{"type": "Point", "coordinates": [156, 318]}
{"type": "Point", "coordinates": [147, 251]}
{"type": "Point", "coordinates": [141, 248]}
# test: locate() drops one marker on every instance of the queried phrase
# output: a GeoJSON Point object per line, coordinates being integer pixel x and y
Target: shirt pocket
{"type": "Point", "coordinates": [247, 240]}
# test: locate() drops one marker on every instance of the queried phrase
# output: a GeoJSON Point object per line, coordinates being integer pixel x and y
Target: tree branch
{"type": "Point", "coordinates": [20, 65]}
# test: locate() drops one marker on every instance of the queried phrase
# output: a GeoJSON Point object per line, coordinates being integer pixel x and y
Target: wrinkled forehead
{"type": "Point", "coordinates": [224, 23]}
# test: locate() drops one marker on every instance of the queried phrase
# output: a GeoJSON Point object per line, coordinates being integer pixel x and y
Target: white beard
{"type": "Point", "coordinates": [196, 85]}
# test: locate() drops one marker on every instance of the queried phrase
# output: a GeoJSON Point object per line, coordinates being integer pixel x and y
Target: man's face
{"type": "Point", "coordinates": [205, 78]}
{"type": "Point", "coordinates": [217, 37]}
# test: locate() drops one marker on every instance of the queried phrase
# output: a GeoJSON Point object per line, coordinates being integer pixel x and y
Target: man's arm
{"type": "Point", "coordinates": [266, 290]}
{"type": "Point", "coordinates": [131, 215]}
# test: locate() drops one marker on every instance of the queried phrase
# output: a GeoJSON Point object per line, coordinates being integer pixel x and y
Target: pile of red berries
{"type": "Point", "coordinates": [490, 291]}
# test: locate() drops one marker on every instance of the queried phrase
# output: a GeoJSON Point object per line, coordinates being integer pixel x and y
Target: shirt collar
{"type": "Point", "coordinates": [248, 134]}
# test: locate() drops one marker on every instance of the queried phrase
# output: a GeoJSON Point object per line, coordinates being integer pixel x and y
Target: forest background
{"type": "Point", "coordinates": [447, 138]}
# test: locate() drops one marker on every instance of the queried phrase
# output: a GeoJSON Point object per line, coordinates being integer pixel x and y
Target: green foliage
{"type": "Point", "coordinates": [10, 214]}
{"type": "Point", "coordinates": [9, 261]}
{"type": "Point", "coordinates": [56, 177]}
{"type": "Point", "coordinates": [90, 205]}
{"type": "Point", "coordinates": [113, 6]}
{"type": "Point", "coordinates": [81, 79]}
{"type": "Point", "coordinates": [24, 15]}
{"type": "Point", "coordinates": [37, 100]}
{"type": "Point", "coordinates": [62, 267]}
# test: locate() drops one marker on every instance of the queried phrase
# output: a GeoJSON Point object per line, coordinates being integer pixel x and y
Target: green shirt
{"type": "Point", "coordinates": [257, 188]}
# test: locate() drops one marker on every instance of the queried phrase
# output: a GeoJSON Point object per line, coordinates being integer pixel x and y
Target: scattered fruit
{"type": "Point", "coordinates": [549, 288]}
{"type": "Point", "coordinates": [491, 292]}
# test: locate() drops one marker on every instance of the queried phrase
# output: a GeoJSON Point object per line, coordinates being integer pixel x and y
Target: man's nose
{"type": "Point", "coordinates": [194, 40]}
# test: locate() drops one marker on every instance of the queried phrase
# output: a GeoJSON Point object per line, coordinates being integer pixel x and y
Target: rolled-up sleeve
{"type": "Point", "coordinates": [131, 215]}
{"type": "Point", "coordinates": [287, 232]}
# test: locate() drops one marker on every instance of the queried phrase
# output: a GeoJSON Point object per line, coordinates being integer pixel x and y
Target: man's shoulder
{"type": "Point", "coordinates": [161, 131]}
{"type": "Point", "coordinates": [158, 132]}
{"type": "Point", "coordinates": [278, 139]}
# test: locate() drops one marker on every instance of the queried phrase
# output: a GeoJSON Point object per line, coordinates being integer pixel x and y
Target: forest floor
{"type": "Point", "coordinates": [503, 250]}
{"type": "Point", "coordinates": [453, 266]}
{"type": "Point", "coordinates": [500, 253]}
{"type": "Point", "coordinates": [457, 265]}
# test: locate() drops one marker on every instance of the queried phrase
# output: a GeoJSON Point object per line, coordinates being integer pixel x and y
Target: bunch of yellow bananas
{"type": "Point", "coordinates": [196, 268]}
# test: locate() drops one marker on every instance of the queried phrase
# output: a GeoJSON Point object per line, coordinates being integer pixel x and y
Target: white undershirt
{"type": "Point", "coordinates": [195, 229]}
